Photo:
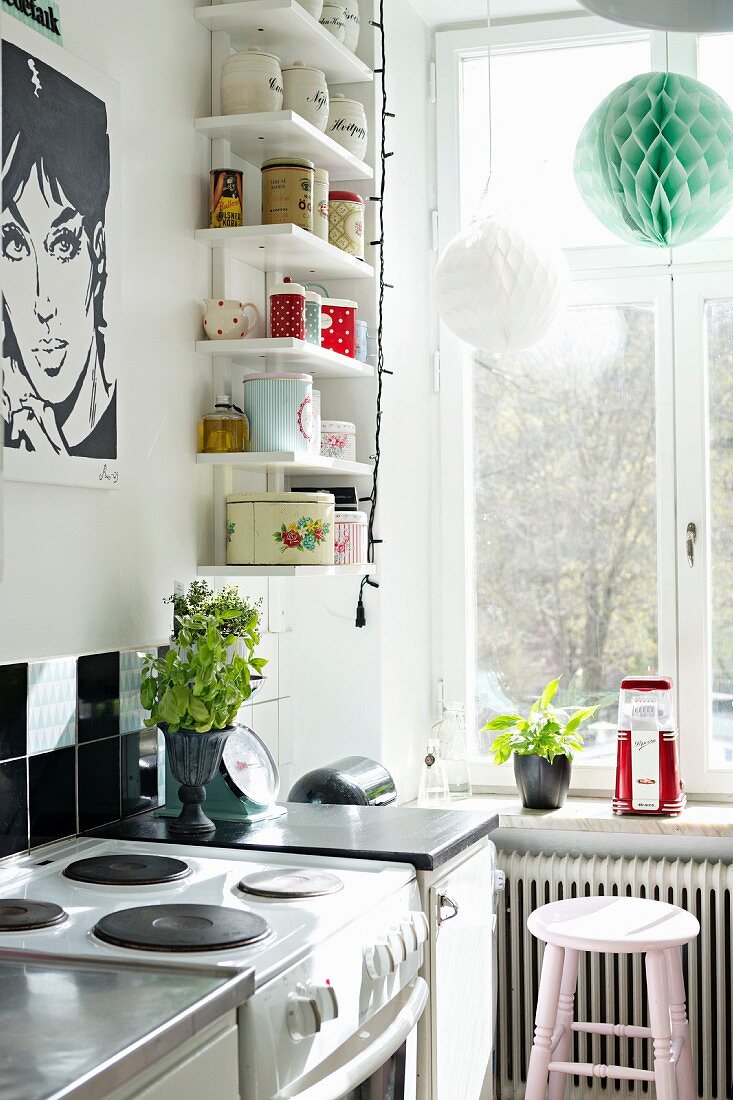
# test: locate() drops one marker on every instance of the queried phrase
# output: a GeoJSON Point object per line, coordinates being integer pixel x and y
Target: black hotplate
{"type": "Point", "coordinates": [181, 927]}
{"type": "Point", "coordinates": [22, 915]}
{"type": "Point", "coordinates": [133, 869]}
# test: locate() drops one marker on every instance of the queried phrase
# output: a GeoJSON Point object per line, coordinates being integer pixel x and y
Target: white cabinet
{"type": "Point", "coordinates": [455, 1040]}
{"type": "Point", "coordinates": [205, 1066]}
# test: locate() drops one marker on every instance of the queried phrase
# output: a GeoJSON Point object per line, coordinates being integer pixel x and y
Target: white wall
{"type": "Point", "coordinates": [85, 569]}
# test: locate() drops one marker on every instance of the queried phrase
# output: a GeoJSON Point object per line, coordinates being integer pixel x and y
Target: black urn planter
{"type": "Point", "coordinates": [194, 759]}
{"type": "Point", "coordinates": [542, 785]}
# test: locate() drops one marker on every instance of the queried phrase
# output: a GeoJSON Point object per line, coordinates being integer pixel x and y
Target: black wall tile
{"type": "Point", "coordinates": [13, 807]}
{"type": "Point", "coordinates": [13, 710]}
{"type": "Point", "coordinates": [139, 771]}
{"type": "Point", "coordinates": [99, 783]}
{"type": "Point", "coordinates": [52, 795]}
{"type": "Point", "coordinates": [98, 682]}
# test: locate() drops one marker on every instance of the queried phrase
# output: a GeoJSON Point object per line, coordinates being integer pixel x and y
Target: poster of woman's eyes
{"type": "Point", "coordinates": [59, 267]}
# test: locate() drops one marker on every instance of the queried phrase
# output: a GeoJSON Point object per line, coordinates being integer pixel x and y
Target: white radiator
{"type": "Point", "coordinates": [611, 988]}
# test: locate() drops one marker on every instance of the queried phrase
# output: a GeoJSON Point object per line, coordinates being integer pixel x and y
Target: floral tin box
{"type": "Point", "coordinates": [280, 529]}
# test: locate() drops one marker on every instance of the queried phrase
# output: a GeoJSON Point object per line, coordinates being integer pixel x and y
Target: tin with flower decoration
{"type": "Point", "coordinates": [350, 538]}
{"type": "Point", "coordinates": [280, 529]}
{"type": "Point", "coordinates": [338, 440]}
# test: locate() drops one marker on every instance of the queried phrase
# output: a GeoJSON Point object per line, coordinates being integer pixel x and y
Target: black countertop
{"type": "Point", "coordinates": [425, 838]}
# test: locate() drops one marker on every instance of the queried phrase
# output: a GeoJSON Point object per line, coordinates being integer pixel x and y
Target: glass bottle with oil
{"type": "Point", "coordinates": [224, 430]}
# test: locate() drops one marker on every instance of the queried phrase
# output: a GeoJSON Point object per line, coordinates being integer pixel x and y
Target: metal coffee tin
{"type": "Point", "coordinates": [287, 192]}
{"type": "Point", "coordinates": [226, 204]}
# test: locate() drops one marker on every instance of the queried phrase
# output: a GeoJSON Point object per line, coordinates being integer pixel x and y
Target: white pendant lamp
{"type": "Point", "coordinates": [497, 288]}
{"type": "Point", "coordinates": [700, 16]}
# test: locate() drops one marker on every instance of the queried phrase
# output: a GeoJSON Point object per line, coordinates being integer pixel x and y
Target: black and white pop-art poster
{"type": "Point", "coordinates": [59, 269]}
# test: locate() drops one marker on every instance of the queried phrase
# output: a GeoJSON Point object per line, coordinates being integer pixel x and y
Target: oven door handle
{"type": "Point", "coordinates": [367, 1062]}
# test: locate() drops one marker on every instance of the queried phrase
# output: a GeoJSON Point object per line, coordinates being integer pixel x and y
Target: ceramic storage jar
{"type": "Point", "coordinates": [351, 22]}
{"type": "Point", "coordinates": [338, 440]}
{"type": "Point", "coordinates": [251, 82]}
{"type": "Point", "coordinates": [338, 326]}
{"type": "Point", "coordinates": [347, 124]}
{"type": "Point", "coordinates": [333, 18]}
{"type": "Point", "coordinates": [346, 222]}
{"type": "Point", "coordinates": [287, 192]}
{"type": "Point", "coordinates": [305, 91]}
{"type": "Point", "coordinates": [279, 410]}
{"type": "Point", "coordinates": [313, 307]}
{"type": "Point", "coordinates": [288, 311]}
{"type": "Point", "coordinates": [280, 529]}
{"type": "Point", "coordinates": [313, 7]}
{"type": "Point", "coordinates": [350, 538]}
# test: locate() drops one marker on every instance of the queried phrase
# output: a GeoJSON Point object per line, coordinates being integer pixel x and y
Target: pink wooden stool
{"type": "Point", "coordinates": [618, 926]}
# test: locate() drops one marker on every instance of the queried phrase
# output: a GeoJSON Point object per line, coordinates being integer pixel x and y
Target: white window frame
{"type": "Point", "coordinates": [677, 281]}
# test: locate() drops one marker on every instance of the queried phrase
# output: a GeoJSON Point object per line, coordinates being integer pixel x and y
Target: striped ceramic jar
{"type": "Point", "coordinates": [279, 408]}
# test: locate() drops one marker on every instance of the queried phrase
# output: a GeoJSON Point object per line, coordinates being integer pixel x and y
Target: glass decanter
{"type": "Point", "coordinates": [450, 732]}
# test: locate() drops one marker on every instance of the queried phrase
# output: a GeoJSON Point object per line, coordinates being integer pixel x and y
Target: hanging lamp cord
{"type": "Point", "coordinates": [384, 155]}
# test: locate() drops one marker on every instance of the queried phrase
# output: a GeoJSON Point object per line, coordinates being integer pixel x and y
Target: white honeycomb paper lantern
{"type": "Point", "coordinates": [496, 289]}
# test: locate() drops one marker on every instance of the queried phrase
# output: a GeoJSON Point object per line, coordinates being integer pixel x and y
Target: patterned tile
{"type": "Point", "coordinates": [132, 714]}
{"type": "Point", "coordinates": [51, 705]}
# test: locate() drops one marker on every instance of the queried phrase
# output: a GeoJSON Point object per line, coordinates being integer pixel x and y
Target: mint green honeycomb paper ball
{"type": "Point", "coordinates": [654, 161]}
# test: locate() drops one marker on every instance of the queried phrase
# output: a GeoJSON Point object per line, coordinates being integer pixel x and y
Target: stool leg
{"type": "Point", "coordinates": [680, 1026]}
{"type": "Point", "coordinates": [659, 1016]}
{"type": "Point", "coordinates": [565, 1016]}
{"type": "Point", "coordinates": [547, 1002]}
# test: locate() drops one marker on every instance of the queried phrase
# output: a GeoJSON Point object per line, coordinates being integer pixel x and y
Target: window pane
{"type": "Point", "coordinates": [719, 352]}
{"type": "Point", "coordinates": [714, 52]}
{"type": "Point", "coordinates": [537, 115]}
{"type": "Point", "coordinates": [565, 516]}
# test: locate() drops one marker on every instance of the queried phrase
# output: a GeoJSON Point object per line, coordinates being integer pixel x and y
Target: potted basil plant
{"type": "Point", "coordinates": [543, 745]}
{"type": "Point", "coordinates": [194, 694]}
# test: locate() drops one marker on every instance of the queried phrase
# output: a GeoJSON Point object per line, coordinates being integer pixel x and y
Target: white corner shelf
{"type": "Point", "coordinates": [259, 137]}
{"type": "Point", "coordinates": [286, 352]}
{"type": "Point", "coordinates": [288, 248]}
{"type": "Point", "coordinates": [284, 570]}
{"type": "Point", "coordinates": [289, 462]}
{"type": "Point", "coordinates": [286, 29]}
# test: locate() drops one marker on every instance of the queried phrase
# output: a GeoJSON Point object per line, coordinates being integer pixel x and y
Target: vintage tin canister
{"type": "Point", "coordinates": [226, 204]}
{"type": "Point", "coordinates": [279, 408]}
{"type": "Point", "coordinates": [320, 204]}
{"type": "Point", "coordinates": [338, 440]}
{"type": "Point", "coordinates": [338, 326]}
{"type": "Point", "coordinates": [346, 222]}
{"type": "Point", "coordinates": [350, 538]}
{"type": "Point", "coordinates": [280, 529]}
{"type": "Point", "coordinates": [287, 192]}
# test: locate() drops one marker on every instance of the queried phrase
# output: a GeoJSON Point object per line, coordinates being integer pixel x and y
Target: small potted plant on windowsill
{"type": "Point", "coordinates": [543, 745]}
{"type": "Point", "coordinates": [194, 694]}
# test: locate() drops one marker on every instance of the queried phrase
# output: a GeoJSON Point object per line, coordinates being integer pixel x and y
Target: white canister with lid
{"type": "Point", "coordinates": [338, 440]}
{"type": "Point", "coordinates": [305, 91]}
{"type": "Point", "coordinates": [333, 18]}
{"type": "Point", "coordinates": [279, 410]}
{"type": "Point", "coordinates": [350, 538]}
{"type": "Point", "coordinates": [351, 21]}
{"type": "Point", "coordinates": [321, 209]}
{"type": "Point", "coordinates": [251, 82]}
{"type": "Point", "coordinates": [347, 124]}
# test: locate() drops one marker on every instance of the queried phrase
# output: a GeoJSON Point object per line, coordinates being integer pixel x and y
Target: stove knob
{"type": "Point", "coordinates": [304, 1014]}
{"type": "Point", "coordinates": [420, 924]}
{"type": "Point", "coordinates": [398, 946]}
{"type": "Point", "coordinates": [327, 1001]}
{"type": "Point", "coordinates": [379, 961]}
{"type": "Point", "coordinates": [409, 936]}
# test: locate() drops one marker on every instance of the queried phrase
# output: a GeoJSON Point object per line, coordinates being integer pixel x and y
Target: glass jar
{"type": "Point", "coordinates": [433, 778]}
{"type": "Point", "coordinates": [224, 430]}
{"type": "Point", "coordinates": [450, 733]}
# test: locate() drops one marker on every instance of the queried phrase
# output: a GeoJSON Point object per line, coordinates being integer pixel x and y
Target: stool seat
{"type": "Point", "coordinates": [615, 924]}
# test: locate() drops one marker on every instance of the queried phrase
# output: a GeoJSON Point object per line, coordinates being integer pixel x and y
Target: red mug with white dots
{"type": "Point", "coordinates": [287, 310]}
{"type": "Point", "coordinates": [227, 319]}
{"type": "Point", "coordinates": [338, 326]}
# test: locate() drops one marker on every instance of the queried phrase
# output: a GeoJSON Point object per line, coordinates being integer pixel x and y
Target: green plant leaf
{"type": "Point", "coordinates": [549, 692]}
{"type": "Point", "coordinates": [504, 721]}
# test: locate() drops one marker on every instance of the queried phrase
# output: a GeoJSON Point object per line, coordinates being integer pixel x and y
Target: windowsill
{"type": "Point", "coordinates": [589, 815]}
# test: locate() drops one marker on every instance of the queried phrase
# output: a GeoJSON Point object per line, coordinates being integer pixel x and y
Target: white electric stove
{"type": "Point", "coordinates": [336, 946]}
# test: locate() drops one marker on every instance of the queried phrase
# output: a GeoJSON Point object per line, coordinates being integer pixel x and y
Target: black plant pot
{"type": "Point", "coordinates": [542, 785]}
{"type": "Point", "coordinates": [194, 759]}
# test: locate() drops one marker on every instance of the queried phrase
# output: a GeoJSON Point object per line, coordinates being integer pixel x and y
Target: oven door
{"type": "Point", "coordinates": [378, 1063]}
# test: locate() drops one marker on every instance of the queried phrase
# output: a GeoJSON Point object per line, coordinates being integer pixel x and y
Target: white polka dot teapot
{"type": "Point", "coordinates": [227, 319]}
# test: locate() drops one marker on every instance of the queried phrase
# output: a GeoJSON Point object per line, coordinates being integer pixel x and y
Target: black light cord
{"type": "Point", "coordinates": [373, 497]}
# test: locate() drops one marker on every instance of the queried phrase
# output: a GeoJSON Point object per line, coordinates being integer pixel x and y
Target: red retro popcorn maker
{"type": "Point", "coordinates": [648, 779]}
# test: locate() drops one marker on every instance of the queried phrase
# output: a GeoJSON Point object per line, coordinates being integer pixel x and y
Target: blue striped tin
{"type": "Point", "coordinates": [279, 408]}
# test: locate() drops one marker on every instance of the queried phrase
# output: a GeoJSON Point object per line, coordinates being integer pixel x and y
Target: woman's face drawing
{"type": "Point", "coordinates": [49, 282]}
